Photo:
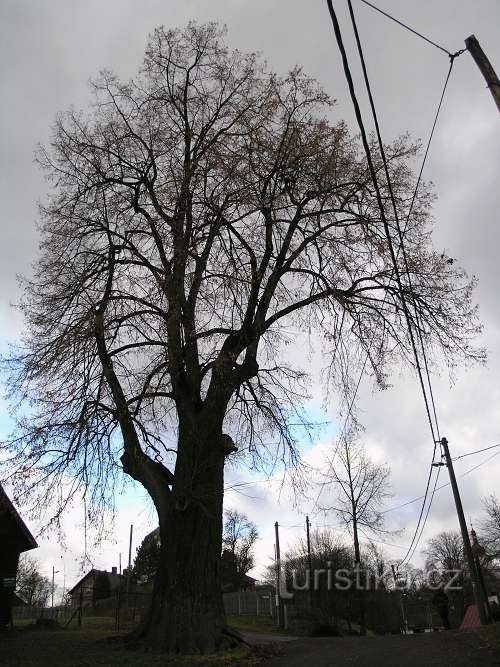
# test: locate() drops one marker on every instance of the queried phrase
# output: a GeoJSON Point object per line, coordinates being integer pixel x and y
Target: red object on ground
{"type": "Point", "coordinates": [471, 619]}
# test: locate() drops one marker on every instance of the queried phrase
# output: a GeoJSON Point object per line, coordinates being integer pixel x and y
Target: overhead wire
{"type": "Point", "coordinates": [410, 210]}
{"type": "Point", "coordinates": [433, 420]}
{"type": "Point", "coordinates": [407, 27]}
{"type": "Point", "coordinates": [408, 216]}
{"type": "Point", "coordinates": [366, 146]}
{"type": "Point", "coordinates": [409, 554]}
{"type": "Point", "coordinates": [408, 318]}
{"type": "Point", "coordinates": [478, 451]}
{"type": "Point", "coordinates": [433, 423]}
{"type": "Point", "coordinates": [415, 500]}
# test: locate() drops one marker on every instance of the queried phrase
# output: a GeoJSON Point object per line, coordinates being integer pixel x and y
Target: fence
{"type": "Point", "coordinates": [249, 603]}
{"type": "Point", "coordinates": [128, 607]}
{"type": "Point", "coordinates": [120, 606]}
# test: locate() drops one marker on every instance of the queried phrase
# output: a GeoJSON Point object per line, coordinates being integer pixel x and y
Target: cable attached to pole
{"type": "Point", "coordinates": [435, 435]}
{"type": "Point", "coordinates": [407, 27]}
{"type": "Point", "coordinates": [366, 146]}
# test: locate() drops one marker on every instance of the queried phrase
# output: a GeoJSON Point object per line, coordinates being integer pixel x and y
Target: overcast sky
{"type": "Point", "coordinates": [50, 49]}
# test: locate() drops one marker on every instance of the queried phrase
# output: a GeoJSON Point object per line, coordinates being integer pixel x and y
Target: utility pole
{"type": "Point", "coordinates": [478, 593]}
{"type": "Point", "coordinates": [129, 557]}
{"type": "Point", "coordinates": [401, 604]}
{"type": "Point", "coordinates": [309, 563]}
{"type": "Point", "coordinates": [52, 595]}
{"type": "Point", "coordinates": [54, 572]}
{"type": "Point", "coordinates": [281, 616]}
{"type": "Point", "coordinates": [485, 67]}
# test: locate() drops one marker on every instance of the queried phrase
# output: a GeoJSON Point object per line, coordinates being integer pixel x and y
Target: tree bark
{"type": "Point", "coordinates": [187, 613]}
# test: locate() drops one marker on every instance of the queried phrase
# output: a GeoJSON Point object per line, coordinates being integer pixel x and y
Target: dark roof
{"type": "Point", "coordinates": [112, 576]}
{"type": "Point", "coordinates": [12, 526]}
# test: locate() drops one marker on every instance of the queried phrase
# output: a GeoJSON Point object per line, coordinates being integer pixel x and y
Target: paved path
{"type": "Point", "coordinates": [443, 649]}
{"type": "Point", "coordinates": [255, 639]}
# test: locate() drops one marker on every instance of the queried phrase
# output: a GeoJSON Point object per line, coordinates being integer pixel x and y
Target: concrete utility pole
{"type": "Point", "coordinates": [485, 67]}
{"type": "Point", "coordinates": [476, 584]}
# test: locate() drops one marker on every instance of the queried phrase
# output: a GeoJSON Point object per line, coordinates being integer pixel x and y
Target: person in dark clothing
{"type": "Point", "coordinates": [442, 604]}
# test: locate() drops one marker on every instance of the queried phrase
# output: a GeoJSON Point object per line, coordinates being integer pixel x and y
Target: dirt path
{"type": "Point", "coordinates": [443, 649]}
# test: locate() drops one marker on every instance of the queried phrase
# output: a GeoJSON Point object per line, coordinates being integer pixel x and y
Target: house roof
{"type": "Point", "coordinates": [12, 527]}
{"type": "Point", "coordinates": [112, 576]}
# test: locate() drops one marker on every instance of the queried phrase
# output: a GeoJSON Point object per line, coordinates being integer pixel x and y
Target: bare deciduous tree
{"type": "Point", "coordinates": [490, 526]}
{"type": "Point", "coordinates": [196, 212]}
{"type": "Point", "coordinates": [31, 585]}
{"type": "Point", "coordinates": [445, 551]}
{"type": "Point", "coordinates": [238, 540]}
{"type": "Point", "coordinates": [362, 487]}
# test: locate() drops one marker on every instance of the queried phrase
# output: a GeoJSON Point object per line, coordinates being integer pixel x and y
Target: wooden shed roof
{"type": "Point", "coordinates": [12, 527]}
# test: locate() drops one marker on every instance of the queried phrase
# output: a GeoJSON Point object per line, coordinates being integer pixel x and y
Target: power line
{"type": "Point", "coordinates": [410, 210]}
{"type": "Point", "coordinates": [467, 472]}
{"type": "Point", "coordinates": [409, 556]}
{"type": "Point", "coordinates": [421, 509]}
{"type": "Point", "coordinates": [404, 25]}
{"type": "Point", "coordinates": [366, 146]}
{"type": "Point", "coordinates": [478, 451]}
{"type": "Point", "coordinates": [396, 216]}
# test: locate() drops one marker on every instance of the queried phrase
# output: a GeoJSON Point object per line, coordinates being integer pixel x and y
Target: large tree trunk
{"type": "Point", "coordinates": [187, 613]}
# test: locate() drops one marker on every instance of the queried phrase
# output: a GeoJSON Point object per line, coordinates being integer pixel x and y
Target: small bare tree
{"type": "Point", "coordinates": [445, 551]}
{"type": "Point", "coordinates": [490, 526]}
{"type": "Point", "coordinates": [196, 213]}
{"type": "Point", "coordinates": [362, 487]}
{"type": "Point", "coordinates": [238, 540]}
{"type": "Point", "coordinates": [31, 585]}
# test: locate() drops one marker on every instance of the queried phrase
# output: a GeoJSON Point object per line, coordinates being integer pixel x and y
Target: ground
{"type": "Point", "coordinates": [97, 643]}
{"type": "Point", "coordinates": [443, 649]}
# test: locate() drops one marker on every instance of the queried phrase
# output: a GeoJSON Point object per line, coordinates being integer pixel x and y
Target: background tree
{"type": "Point", "coordinates": [329, 554]}
{"type": "Point", "coordinates": [327, 551]}
{"type": "Point", "coordinates": [378, 564]}
{"type": "Point", "coordinates": [444, 556]}
{"type": "Point", "coordinates": [445, 551]}
{"type": "Point", "coordinates": [31, 585]}
{"type": "Point", "coordinates": [490, 526]}
{"type": "Point", "coordinates": [362, 487]}
{"type": "Point", "coordinates": [147, 559]}
{"type": "Point", "coordinates": [196, 212]}
{"type": "Point", "coordinates": [238, 540]}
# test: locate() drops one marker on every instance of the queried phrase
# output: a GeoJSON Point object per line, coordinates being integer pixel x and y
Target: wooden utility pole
{"type": "Point", "coordinates": [476, 585]}
{"type": "Point", "coordinates": [309, 563]}
{"type": "Point", "coordinates": [485, 67]}
{"type": "Point", "coordinates": [281, 616]}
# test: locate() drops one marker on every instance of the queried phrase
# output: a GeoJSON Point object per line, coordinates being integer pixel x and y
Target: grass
{"type": "Point", "coordinates": [491, 635]}
{"type": "Point", "coordinates": [97, 643]}
{"type": "Point", "coordinates": [264, 625]}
